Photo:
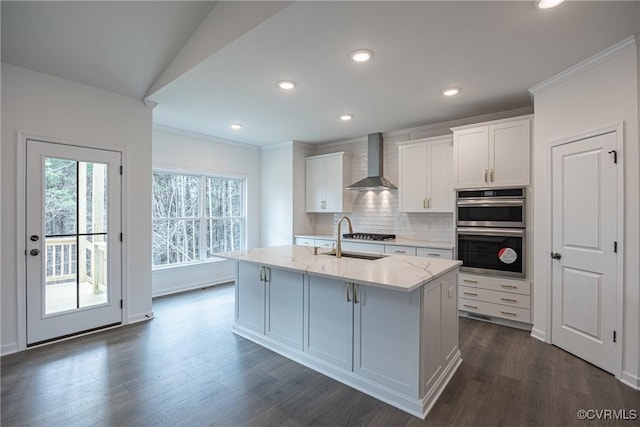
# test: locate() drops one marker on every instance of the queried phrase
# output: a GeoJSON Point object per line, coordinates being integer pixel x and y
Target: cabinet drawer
{"type": "Point", "coordinates": [321, 243]}
{"type": "Point", "coordinates": [497, 310]}
{"type": "Point", "coordinates": [371, 248]}
{"type": "Point", "coordinates": [303, 241]}
{"type": "Point", "coordinates": [399, 250]}
{"type": "Point", "coordinates": [497, 297]}
{"type": "Point", "coordinates": [435, 253]}
{"type": "Point", "coordinates": [495, 283]}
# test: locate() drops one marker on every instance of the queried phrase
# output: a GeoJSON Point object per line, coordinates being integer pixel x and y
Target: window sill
{"type": "Point", "coordinates": [187, 264]}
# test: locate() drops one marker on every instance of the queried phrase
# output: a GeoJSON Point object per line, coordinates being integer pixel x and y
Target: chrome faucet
{"type": "Point", "coordinates": [339, 243]}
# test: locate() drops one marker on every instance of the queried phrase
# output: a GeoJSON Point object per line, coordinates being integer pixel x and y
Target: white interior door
{"type": "Point", "coordinates": [584, 227]}
{"type": "Point", "coordinates": [73, 240]}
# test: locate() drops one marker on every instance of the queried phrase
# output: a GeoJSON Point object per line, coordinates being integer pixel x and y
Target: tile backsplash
{"type": "Point", "coordinates": [377, 211]}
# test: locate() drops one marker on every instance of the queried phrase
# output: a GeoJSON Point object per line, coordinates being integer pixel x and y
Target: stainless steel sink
{"type": "Point", "coordinates": [371, 257]}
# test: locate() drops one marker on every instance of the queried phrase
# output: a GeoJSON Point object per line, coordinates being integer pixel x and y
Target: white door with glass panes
{"type": "Point", "coordinates": [73, 246]}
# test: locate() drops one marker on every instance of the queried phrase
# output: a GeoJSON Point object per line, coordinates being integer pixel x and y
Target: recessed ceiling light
{"type": "Point", "coordinates": [287, 84]}
{"type": "Point", "coordinates": [361, 55]}
{"type": "Point", "coordinates": [346, 117]}
{"type": "Point", "coordinates": [451, 91]}
{"type": "Point", "coordinates": [548, 4]}
{"type": "Point", "coordinates": [236, 126]}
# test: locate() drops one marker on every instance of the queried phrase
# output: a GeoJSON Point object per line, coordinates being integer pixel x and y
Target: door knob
{"type": "Point", "coordinates": [556, 255]}
{"type": "Point", "coordinates": [34, 252]}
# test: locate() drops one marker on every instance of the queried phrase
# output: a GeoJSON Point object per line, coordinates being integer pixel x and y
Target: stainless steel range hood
{"type": "Point", "coordinates": [375, 180]}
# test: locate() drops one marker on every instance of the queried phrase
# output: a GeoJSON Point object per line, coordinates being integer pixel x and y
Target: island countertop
{"type": "Point", "coordinates": [397, 272]}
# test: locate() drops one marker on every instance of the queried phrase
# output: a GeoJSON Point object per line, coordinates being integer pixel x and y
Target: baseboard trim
{"type": "Point", "coordinates": [191, 287]}
{"type": "Point", "coordinates": [8, 349]}
{"type": "Point", "coordinates": [538, 334]}
{"type": "Point", "coordinates": [140, 317]}
{"type": "Point", "coordinates": [631, 380]}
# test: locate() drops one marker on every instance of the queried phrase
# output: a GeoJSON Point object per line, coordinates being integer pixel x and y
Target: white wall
{"type": "Point", "coordinates": [46, 106]}
{"type": "Point", "coordinates": [182, 151]}
{"type": "Point", "coordinates": [591, 99]}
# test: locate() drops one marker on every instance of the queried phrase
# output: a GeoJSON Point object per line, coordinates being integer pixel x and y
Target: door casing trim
{"type": "Point", "coordinates": [21, 265]}
{"type": "Point", "coordinates": [548, 244]}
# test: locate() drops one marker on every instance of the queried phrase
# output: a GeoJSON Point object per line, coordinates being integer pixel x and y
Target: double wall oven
{"type": "Point", "coordinates": [491, 229]}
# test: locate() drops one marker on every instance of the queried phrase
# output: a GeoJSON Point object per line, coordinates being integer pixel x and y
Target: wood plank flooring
{"type": "Point", "coordinates": [186, 368]}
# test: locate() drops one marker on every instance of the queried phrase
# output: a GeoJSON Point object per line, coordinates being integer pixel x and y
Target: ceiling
{"type": "Point", "coordinates": [208, 65]}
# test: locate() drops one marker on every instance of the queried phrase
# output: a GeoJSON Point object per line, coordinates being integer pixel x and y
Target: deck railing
{"type": "Point", "coordinates": [63, 266]}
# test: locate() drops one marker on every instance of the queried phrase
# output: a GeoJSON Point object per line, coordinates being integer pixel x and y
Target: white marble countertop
{"type": "Point", "coordinates": [396, 242]}
{"type": "Point", "coordinates": [397, 272]}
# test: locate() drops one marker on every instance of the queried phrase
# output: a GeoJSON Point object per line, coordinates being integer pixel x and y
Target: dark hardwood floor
{"type": "Point", "coordinates": [186, 368]}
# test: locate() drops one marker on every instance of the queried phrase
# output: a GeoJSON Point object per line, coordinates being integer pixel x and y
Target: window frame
{"type": "Point", "coordinates": [201, 219]}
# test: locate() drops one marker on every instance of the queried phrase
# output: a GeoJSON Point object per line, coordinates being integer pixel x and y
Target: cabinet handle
{"type": "Point", "coordinates": [355, 293]}
{"type": "Point", "coordinates": [508, 313]}
{"type": "Point", "coordinates": [347, 288]}
{"type": "Point", "coordinates": [491, 175]}
{"type": "Point", "coordinates": [470, 293]}
{"type": "Point", "coordinates": [400, 252]}
{"type": "Point", "coordinates": [429, 203]}
{"type": "Point", "coordinates": [485, 175]}
{"type": "Point", "coordinates": [262, 274]}
{"type": "Point", "coordinates": [433, 254]}
{"type": "Point", "coordinates": [509, 299]}
{"type": "Point", "coordinates": [470, 306]}
{"type": "Point", "coordinates": [509, 286]}
{"type": "Point", "coordinates": [424, 203]}
{"type": "Point", "coordinates": [469, 281]}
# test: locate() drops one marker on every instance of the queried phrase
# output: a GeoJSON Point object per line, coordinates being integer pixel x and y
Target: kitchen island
{"type": "Point", "coordinates": [386, 326]}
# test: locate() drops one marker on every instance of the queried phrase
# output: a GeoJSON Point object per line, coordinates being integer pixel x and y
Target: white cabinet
{"type": "Point", "coordinates": [250, 296]}
{"type": "Point", "coordinates": [268, 301]}
{"type": "Point", "coordinates": [495, 296]}
{"type": "Point", "coordinates": [382, 337]}
{"type": "Point", "coordinates": [493, 154]}
{"type": "Point", "coordinates": [304, 241]}
{"type": "Point", "coordinates": [283, 307]}
{"type": "Point", "coordinates": [328, 321]}
{"type": "Point", "coordinates": [435, 253]}
{"type": "Point", "coordinates": [425, 175]}
{"type": "Point", "coordinates": [399, 250]}
{"type": "Point", "coordinates": [326, 179]}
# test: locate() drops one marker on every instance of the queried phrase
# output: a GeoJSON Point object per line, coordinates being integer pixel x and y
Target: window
{"type": "Point", "coordinates": [195, 216]}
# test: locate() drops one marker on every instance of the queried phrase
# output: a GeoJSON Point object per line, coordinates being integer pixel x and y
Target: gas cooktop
{"type": "Point", "coordinates": [369, 236]}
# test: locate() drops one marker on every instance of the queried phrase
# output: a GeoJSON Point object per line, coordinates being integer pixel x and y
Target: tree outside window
{"type": "Point", "coordinates": [195, 216]}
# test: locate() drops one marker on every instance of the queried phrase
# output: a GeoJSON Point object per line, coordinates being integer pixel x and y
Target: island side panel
{"type": "Point", "coordinates": [440, 355]}
{"type": "Point", "coordinates": [387, 337]}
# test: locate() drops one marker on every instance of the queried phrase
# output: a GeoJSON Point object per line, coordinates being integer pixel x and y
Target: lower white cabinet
{"type": "Point", "coordinates": [495, 296]}
{"type": "Point", "coordinates": [328, 321]}
{"type": "Point", "coordinates": [283, 307]}
{"type": "Point", "coordinates": [250, 296]}
{"type": "Point", "coordinates": [269, 301]}
{"type": "Point", "coordinates": [435, 253]}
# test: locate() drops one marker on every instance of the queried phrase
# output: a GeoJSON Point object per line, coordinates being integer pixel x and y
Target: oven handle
{"type": "Point", "coordinates": [483, 203]}
{"type": "Point", "coordinates": [467, 231]}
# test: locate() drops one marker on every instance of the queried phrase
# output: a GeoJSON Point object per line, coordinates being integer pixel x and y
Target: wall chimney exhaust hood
{"type": "Point", "coordinates": [375, 180]}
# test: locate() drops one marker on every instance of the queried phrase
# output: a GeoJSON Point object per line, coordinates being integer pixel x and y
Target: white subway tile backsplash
{"type": "Point", "coordinates": [377, 211]}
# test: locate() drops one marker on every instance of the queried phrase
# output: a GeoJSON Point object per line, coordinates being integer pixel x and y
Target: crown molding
{"type": "Point", "coordinates": [585, 65]}
{"type": "Point", "coordinates": [197, 135]}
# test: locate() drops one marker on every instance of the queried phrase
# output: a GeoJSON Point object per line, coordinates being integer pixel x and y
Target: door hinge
{"type": "Point", "coordinates": [121, 303]}
{"type": "Point", "coordinates": [615, 337]}
{"type": "Point", "coordinates": [615, 155]}
{"type": "Point", "coordinates": [121, 237]}
{"type": "Point", "coordinates": [121, 171]}
{"type": "Point", "coordinates": [615, 247]}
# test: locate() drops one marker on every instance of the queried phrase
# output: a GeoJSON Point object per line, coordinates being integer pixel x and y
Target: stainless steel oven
{"type": "Point", "coordinates": [491, 208]}
{"type": "Point", "coordinates": [491, 231]}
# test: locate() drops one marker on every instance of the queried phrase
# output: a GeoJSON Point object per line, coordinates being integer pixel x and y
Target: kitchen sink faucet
{"type": "Point", "coordinates": [339, 242]}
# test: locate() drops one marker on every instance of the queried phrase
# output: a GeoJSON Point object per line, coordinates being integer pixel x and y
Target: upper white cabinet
{"type": "Point", "coordinates": [493, 154]}
{"type": "Point", "coordinates": [327, 177]}
{"type": "Point", "coordinates": [425, 175]}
